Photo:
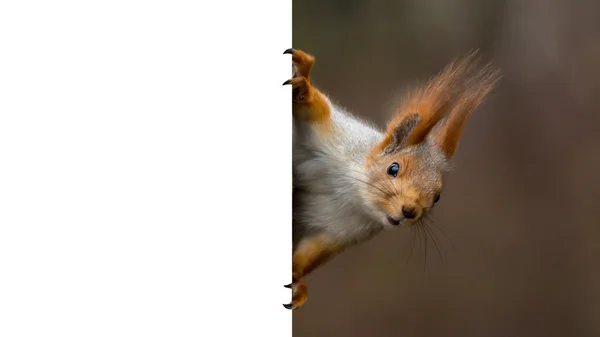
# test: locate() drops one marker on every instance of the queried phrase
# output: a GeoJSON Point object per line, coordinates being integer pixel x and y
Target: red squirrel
{"type": "Point", "coordinates": [351, 181]}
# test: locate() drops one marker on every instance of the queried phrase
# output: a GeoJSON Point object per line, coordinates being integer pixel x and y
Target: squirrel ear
{"type": "Point", "coordinates": [452, 95]}
{"type": "Point", "coordinates": [424, 106]}
{"type": "Point", "coordinates": [398, 135]}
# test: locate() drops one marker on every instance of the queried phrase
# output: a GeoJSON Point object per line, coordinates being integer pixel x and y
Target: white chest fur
{"type": "Point", "coordinates": [329, 178]}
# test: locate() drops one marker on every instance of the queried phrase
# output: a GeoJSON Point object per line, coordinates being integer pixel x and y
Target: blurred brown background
{"type": "Point", "coordinates": [520, 207]}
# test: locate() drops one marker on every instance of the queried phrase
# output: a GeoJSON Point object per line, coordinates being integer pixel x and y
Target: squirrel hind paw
{"type": "Point", "coordinates": [299, 295]}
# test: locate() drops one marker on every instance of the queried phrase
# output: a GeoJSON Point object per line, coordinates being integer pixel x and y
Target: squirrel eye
{"type": "Point", "coordinates": [437, 198]}
{"type": "Point", "coordinates": [393, 169]}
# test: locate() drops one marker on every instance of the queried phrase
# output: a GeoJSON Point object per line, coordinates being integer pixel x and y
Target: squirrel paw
{"type": "Point", "coordinates": [301, 62]}
{"type": "Point", "coordinates": [299, 295]}
{"type": "Point", "coordinates": [300, 88]}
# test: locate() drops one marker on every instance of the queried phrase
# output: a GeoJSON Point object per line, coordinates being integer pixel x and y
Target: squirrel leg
{"type": "Point", "coordinates": [310, 253]}
{"type": "Point", "coordinates": [308, 102]}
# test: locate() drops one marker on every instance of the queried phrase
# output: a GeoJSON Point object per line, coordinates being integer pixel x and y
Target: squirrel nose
{"type": "Point", "coordinates": [409, 212]}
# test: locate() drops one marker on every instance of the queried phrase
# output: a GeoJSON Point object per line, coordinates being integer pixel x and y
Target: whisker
{"type": "Point", "coordinates": [382, 185]}
{"type": "Point", "coordinates": [387, 193]}
{"type": "Point", "coordinates": [368, 183]}
{"type": "Point", "coordinates": [420, 238]}
{"type": "Point", "coordinates": [443, 232]}
{"type": "Point", "coordinates": [424, 244]}
{"type": "Point", "coordinates": [391, 191]}
{"type": "Point", "coordinates": [362, 172]}
{"type": "Point", "coordinates": [393, 186]}
{"type": "Point", "coordinates": [412, 230]}
{"type": "Point", "coordinates": [435, 243]}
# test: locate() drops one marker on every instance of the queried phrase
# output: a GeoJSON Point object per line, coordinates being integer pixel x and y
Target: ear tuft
{"type": "Point", "coordinates": [476, 88]}
{"type": "Point", "coordinates": [452, 95]}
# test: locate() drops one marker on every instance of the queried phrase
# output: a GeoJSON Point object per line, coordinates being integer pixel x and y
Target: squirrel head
{"type": "Point", "coordinates": [405, 170]}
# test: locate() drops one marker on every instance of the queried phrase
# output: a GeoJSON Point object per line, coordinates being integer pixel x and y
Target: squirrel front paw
{"type": "Point", "coordinates": [301, 62]}
{"type": "Point", "coordinates": [299, 294]}
{"type": "Point", "coordinates": [301, 65]}
{"type": "Point", "coordinates": [308, 102]}
{"type": "Point", "coordinates": [300, 88]}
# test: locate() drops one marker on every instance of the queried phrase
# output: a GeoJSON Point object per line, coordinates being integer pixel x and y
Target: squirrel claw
{"type": "Point", "coordinates": [301, 62]}
{"type": "Point", "coordinates": [299, 294]}
{"type": "Point", "coordinates": [301, 88]}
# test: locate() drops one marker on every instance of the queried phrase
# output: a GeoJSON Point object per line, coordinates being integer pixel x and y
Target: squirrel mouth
{"type": "Point", "coordinates": [392, 221]}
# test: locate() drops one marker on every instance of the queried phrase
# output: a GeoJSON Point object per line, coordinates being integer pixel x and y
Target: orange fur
{"type": "Point", "coordinates": [309, 104]}
{"type": "Point", "coordinates": [308, 255]}
{"type": "Point", "coordinates": [477, 88]}
{"type": "Point", "coordinates": [302, 63]}
{"type": "Point", "coordinates": [455, 92]}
